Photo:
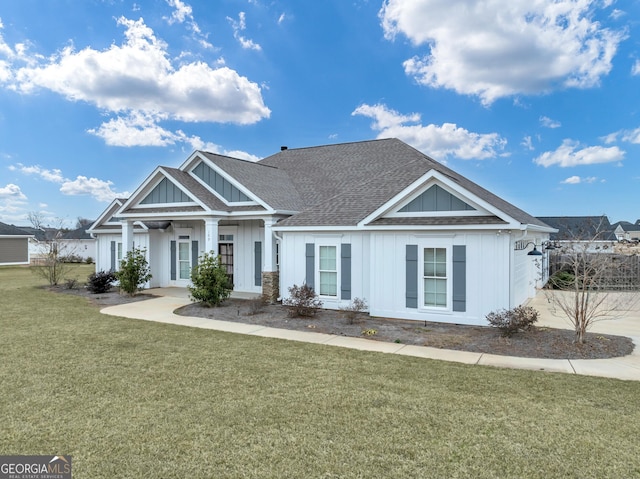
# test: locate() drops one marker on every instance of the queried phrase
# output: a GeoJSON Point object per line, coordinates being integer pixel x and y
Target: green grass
{"type": "Point", "coordinates": [131, 398]}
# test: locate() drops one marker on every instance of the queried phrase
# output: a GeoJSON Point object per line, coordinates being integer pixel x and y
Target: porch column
{"type": "Point", "coordinates": [211, 235]}
{"type": "Point", "coordinates": [270, 273]}
{"type": "Point", "coordinates": [127, 237]}
{"type": "Point", "coordinates": [269, 251]}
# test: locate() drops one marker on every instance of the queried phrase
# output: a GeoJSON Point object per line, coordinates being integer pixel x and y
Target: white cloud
{"type": "Point", "coordinates": [437, 141]}
{"type": "Point", "coordinates": [571, 154]}
{"type": "Point", "coordinates": [635, 70]}
{"type": "Point", "coordinates": [281, 18]}
{"type": "Point", "coordinates": [239, 26]}
{"type": "Point", "coordinates": [13, 192]}
{"type": "Point", "coordinates": [493, 49]}
{"type": "Point", "coordinates": [617, 14]}
{"type": "Point", "coordinates": [575, 180]}
{"type": "Point", "coordinates": [630, 136]}
{"type": "Point", "coordinates": [184, 13]}
{"type": "Point", "coordinates": [549, 123]}
{"type": "Point", "coordinates": [138, 78]}
{"type": "Point", "coordinates": [527, 143]}
{"type": "Point", "coordinates": [98, 189]}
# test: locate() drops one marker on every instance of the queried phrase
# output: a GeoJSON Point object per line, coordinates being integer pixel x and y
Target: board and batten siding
{"type": "Point", "coordinates": [298, 254]}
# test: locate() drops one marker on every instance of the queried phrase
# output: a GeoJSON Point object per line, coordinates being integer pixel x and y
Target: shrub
{"type": "Point", "coordinates": [100, 282]}
{"type": "Point", "coordinates": [71, 283]}
{"type": "Point", "coordinates": [89, 260]}
{"type": "Point", "coordinates": [513, 320]}
{"type": "Point", "coordinates": [134, 271]}
{"type": "Point", "coordinates": [561, 280]}
{"type": "Point", "coordinates": [356, 306]}
{"type": "Point", "coordinates": [209, 281]}
{"type": "Point", "coordinates": [302, 301]}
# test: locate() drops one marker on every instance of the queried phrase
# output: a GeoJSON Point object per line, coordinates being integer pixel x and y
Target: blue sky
{"type": "Point", "coordinates": [537, 101]}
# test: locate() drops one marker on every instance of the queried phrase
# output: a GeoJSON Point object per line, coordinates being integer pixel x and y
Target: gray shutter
{"type": "Point", "coordinates": [113, 256]}
{"type": "Point", "coordinates": [460, 278]}
{"type": "Point", "coordinates": [258, 263]}
{"type": "Point", "coordinates": [173, 261]}
{"type": "Point", "coordinates": [310, 264]}
{"type": "Point", "coordinates": [345, 271]}
{"type": "Point", "coordinates": [411, 294]}
{"type": "Point", "coordinates": [194, 254]}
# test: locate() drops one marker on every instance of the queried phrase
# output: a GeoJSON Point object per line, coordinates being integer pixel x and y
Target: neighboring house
{"type": "Point", "coordinates": [40, 240]}
{"type": "Point", "coordinates": [14, 245]}
{"type": "Point", "coordinates": [78, 243]}
{"type": "Point", "coordinates": [376, 220]}
{"type": "Point", "coordinates": [593, 232]}
{"type": "Point", "coordinates": [627, 231]}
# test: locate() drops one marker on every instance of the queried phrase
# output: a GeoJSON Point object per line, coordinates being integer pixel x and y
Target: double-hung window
{"type": "Point", "coordinates": [328, 270]}
{"type": "Point", "coordinates": [435, 280]}
{"type": "Point", "coordinates": [118, 256]}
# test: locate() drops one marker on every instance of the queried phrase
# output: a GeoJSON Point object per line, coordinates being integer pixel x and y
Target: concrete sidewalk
{"type": "Point", "coordinates": [628, 367]}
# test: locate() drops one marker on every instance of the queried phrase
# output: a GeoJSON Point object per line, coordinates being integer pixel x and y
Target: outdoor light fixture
{"type": "Point", "coordinates": [534, 251]}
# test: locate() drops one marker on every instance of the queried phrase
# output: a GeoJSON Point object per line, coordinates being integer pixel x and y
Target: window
{"type": "Point", "coordinates": [118, 256]}
{"type": "Point", "coordinates": [184, 259]}
{"type": "Point", "coordinates": [328, 269]}
{"type": "Point", "coordinates": [435, 277]}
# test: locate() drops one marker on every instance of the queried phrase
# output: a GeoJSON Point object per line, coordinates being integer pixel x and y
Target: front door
{"type": "Point", "coordinates": [226, 258]}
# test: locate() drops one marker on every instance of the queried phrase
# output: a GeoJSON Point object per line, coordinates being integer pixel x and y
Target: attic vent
{"type": "Point", "coordinates": [282, 148]}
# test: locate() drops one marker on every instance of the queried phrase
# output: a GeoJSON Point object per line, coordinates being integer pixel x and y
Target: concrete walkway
{"type": "Point", "coordinates": [628, 367]}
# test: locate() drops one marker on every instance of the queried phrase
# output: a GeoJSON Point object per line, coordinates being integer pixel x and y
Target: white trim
{"type": "Point", "coordinates": [191, 164]}
{"type": "Point", "coordinates": [427, 180]}
{"type": "Point", "coordinates": [149, 206]}
{"type": "Point", "coordinates": [448, 247]}
{"type": "Point", "coordinates": [333, 242]}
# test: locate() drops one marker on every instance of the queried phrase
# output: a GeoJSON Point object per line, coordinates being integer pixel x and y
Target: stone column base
{"type": "Point", "coordinates": [270, 286]}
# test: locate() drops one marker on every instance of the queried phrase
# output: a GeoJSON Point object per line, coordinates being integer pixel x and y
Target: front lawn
{"type": "Point", "coordinates": [131, 398]}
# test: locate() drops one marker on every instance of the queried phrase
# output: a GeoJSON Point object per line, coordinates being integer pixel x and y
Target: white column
{"type": "Point", "coordinates": [127, 237]}
{"type": "Point", "coordinates": [211, 235]}
{"type": "Point", "coordinates": [269, 250]}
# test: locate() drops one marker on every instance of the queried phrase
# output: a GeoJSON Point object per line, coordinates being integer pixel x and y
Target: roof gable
{"type": "Point", "coordinates": [166, 192]}
{"type": "Point", "coordinates": [436, 199]}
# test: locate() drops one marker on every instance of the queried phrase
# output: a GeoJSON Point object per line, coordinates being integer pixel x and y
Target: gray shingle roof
{"type": "Point", "coordinates": [580, 228]}
{"type": "Point", "coordinates": [270, 184]}
{"type": "Point", "coordinates": [342, 184]}
{"type": "Point", "coordinates": [10, 230]}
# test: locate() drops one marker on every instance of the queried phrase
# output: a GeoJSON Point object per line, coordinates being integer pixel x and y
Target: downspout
{"type": "Point", "coordinates": [511, 272]}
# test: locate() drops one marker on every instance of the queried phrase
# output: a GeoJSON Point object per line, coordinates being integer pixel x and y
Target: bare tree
{"type": "Point", "coordinates": [36, 219]}
{"type": "Point", "coordinates": [583, 287]}
{"type": "Point", "coordinates": [52, 253]}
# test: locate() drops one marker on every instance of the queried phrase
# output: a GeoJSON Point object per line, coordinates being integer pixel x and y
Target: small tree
{"type": "Point", "coordinates": [209, 281]}
{"type": "Point", "coordinates": [302, 301]}
{"type": "Point", "coordinates": [587, 297]}
{"type": "Point", "coordinates": [134, 271]}
{"type": "Point", "coordinates": [50, 259]}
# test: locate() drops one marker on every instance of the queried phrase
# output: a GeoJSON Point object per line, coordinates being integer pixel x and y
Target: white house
{"type": "Point", "coordinates": [376, 220]}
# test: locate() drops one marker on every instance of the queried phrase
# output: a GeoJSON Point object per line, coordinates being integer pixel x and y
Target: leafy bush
{"type": "Point", "coordinates": [71, 258]}
{"type": "Point", "coordinates": [356, 306]}
{"type": "Point", "coordinates": [89, 260]}
{"type": "Point", "coordinates": [134, 271]}
{"type": "Point", "coordinates": [561, 280]}
{"type": "Point", "coordinates": [302, 301]}
{"type": "Point", "coordinates": [513, 320]}
{"type": "Point", "coordinates": [100, 282]}
{"type": "Point", "coordinates": [209, 281]}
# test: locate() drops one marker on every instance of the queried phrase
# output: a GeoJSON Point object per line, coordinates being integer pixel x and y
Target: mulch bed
{"type": "Point", "coordinates": [539, 342]}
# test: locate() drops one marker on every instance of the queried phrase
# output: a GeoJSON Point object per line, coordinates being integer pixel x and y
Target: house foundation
{"type": "Point", "coordinates": [270, 286]}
